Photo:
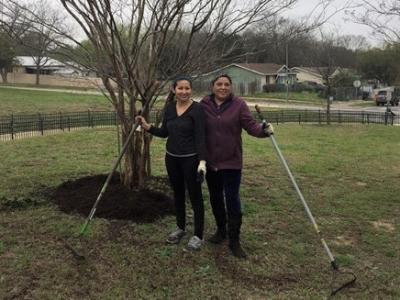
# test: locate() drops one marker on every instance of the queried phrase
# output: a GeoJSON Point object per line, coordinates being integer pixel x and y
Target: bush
{"type": "Point", "coordinates": [269, 88]}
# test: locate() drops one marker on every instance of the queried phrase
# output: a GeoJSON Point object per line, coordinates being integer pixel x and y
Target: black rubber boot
{"type": "Point", "coordinates": [219, 236]}
{"type": "Point", "coordinates": [234, 225]}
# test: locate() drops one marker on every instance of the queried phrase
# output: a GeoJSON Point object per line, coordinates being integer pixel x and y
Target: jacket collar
{"type": "Point", "coordinates": [223, 106]}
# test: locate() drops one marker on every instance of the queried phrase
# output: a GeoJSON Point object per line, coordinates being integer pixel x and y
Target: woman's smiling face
{"type": "Point", "coordinates": [183, 90]}
{"type": "Point", "coordinates": [222, 88]}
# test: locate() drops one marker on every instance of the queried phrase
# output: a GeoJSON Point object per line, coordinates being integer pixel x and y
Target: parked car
{"type": "Point", "coordinates": [387, 94]}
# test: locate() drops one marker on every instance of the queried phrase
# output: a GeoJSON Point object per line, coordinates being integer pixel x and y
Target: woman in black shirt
{"type": "Point", "coordinates": [183, 124]}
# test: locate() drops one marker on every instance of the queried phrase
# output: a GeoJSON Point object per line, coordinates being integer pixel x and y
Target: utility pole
{"type": "Point", "coordinates": [287, 72]}
{"type": "Point", "coordinates": [1, 10]}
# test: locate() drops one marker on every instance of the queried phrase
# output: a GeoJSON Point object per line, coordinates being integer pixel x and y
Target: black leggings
{"type": "Point", "coordinates": [182, 172]}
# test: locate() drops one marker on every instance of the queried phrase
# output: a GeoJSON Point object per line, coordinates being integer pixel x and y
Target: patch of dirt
{"type": "Point", "coordinates": [383, 225]}
{"type": "Point", "coordinates": [118, 202]}
{"type": "Point", "coordinates": [344, 241]}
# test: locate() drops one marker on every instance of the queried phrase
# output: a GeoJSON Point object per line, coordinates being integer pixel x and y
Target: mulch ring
{"type": "Point", "coordinates": [118, 202]}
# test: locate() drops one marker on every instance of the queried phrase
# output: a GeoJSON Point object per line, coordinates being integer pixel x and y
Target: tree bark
{"type": "Point", "coordinates": [4, 75]}
{"type": "Point", "coordinates": [37, 81]}
{"type": "Point", "coordinates": [136, 161]}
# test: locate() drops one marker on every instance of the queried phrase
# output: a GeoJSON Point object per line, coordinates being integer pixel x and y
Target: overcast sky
{"type": "Point", "coordinates": [337, 23]}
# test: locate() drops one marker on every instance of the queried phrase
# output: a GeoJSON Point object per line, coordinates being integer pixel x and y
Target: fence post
{"type": "Point", "coordinates": [69, 124]}
{"type": "Point", "coordinates": [40, 120]}
{"type": "Point", "coordinates": [319, 116]}
{"type": "Point", "coordinates": [61, 122]}
{"type": "Point", "coordinates": [89, 122]}
{"type": "Point", "coordinates": [362, 117]}
{"type": "Point", "coordinates": [340, 117]}
{"type": "Point", "coordinates": [368, 118]}
{"type": "Point", "coordinates": [299, 118]}
{"type": "Point", "coordinates": [12, 126]}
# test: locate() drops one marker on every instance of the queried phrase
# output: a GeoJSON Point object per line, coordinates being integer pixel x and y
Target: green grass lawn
{"type": "Point", "coordinates": [31, 101]}
{"type": "Point", "coordinates": [38, 101]}
{"type": "Point", "coordinates": [349, 176]}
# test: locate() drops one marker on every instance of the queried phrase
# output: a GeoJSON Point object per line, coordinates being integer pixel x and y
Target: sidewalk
{"type": "Point", "coordinates": [59, 90]}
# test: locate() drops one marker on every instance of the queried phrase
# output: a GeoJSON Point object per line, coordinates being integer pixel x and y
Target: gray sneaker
{"type": "Point", "coordinates": [176, 236]}
{"type": "Point", "coordinates": [194, 243]}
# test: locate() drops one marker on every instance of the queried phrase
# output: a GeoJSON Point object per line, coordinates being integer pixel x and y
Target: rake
{"type": "Point", "coordinates": [332, 259]}
{"type": "Point", "coordinates": [84, 227]}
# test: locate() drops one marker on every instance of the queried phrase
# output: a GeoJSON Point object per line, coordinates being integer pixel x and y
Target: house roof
{"type": "Point", "coordinates": [318, 71]}
{"type": "Point", "coordinates": [261, 69]}
{"type": "Point", "coordinates": [264, 69]}
{"type": "Point", "coordinates": [312, 70]}
{"type": "Point", "coordinates": [29, 62]}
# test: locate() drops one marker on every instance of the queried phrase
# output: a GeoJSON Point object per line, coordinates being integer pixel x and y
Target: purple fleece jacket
{"type": "Point", "coordinates": [224, 131]}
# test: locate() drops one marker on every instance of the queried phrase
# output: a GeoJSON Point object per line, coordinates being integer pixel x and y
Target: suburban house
{"type": "Point", "coordinates": [48, 66]}
{"type": "Point", "coordinates": [249, 78]}
{"type": "Point", "coordinates": [308, 74]}
{"type": "Point", "coordinates": [52, 73]}
{"type": "Point", "coordinates": [29, 65]}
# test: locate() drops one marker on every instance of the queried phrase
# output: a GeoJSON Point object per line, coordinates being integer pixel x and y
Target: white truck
{"type": "Point", "coordinates": [383, 95]}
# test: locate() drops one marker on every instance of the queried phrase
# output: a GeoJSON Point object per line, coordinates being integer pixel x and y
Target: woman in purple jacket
{"type": "Point", "coordinates": [226, 116]}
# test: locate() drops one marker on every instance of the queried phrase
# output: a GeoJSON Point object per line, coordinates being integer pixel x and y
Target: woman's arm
{"type": "Point", "coordinates": [249, 123]}
{"type": "Point", "coordinates": [160, 132]}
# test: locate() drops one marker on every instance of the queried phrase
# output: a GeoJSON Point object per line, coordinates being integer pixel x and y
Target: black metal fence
{"type": "Point", "coordinates": [334, 116]}
{"type": "Point", "coordinates": [22, 125]}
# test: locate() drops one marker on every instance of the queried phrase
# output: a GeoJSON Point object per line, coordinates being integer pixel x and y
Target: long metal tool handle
{"type": "Point", "coordinates": [104, 188]}
{"type": "Point", "coordinates": [303, 201]}
{"type": "Point", "coordinates": [115, 166]}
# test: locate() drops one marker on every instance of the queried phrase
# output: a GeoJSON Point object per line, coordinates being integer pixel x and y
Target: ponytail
{"type": "Point", "coordinates": [170, 97]}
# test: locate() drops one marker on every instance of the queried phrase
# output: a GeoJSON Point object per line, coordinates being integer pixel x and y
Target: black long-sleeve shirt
{"type": "Point", "coordinates": [186, 133]}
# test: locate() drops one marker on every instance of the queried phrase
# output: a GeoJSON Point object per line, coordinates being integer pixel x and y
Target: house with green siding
{"type": "Point", "coordinates": [248, 78]}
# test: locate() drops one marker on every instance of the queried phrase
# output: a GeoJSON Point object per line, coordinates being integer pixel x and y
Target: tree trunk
{"type": "Point", "coordinates": [4, 75]}
{"type": "Point", "coordinates": [136, 161]}
{"type": "Point", "coordinates": [37, 76]}
{"type": "Point", "coordinates": [328, 105]}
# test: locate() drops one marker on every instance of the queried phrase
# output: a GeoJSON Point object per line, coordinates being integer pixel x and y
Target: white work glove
{"type": "Point", "coordinates": [201, 170]}
{"type": "Point", "coordinates": [142, 122]}
{"type": "Point", "coordinates": [268, 128]}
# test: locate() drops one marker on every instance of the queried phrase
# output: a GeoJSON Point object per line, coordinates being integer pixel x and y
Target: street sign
{"type": "Point", "coordinates": [357, 83]}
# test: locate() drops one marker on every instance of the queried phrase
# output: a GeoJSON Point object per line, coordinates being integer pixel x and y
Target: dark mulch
{"type": "Point", "coordinates": [118, 202]}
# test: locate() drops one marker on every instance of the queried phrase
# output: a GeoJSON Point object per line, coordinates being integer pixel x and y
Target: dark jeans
{"type": "Point", "coordinates": [182, 172]}
{"type": "Point", "coordinates": [224, 184]}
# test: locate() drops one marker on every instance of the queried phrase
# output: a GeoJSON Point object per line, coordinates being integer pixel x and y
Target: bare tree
{"type": "Point", "coordinates": [136, 47]}
{"type": "Point", "coordinates": [130, 40]}
{"type": "Point", "coordinates": [383, 17]}
{"type": "Point", "coordinates": [327, 55]}
{"type": "Point", "coordinates": [11, 25]}
{"type": "Point", "coordinates": [354, 42]}
{"type": "Point", "coordinates": [41, 41]}
{"type": "Point", "coordinates": [7, 55]}
{"type": "Point", "coordinates": [38, 38]}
